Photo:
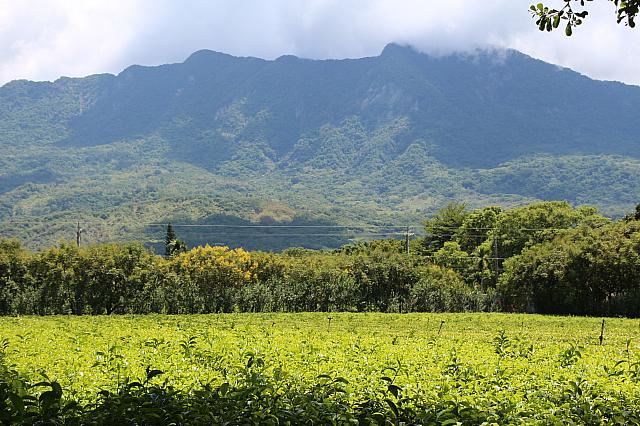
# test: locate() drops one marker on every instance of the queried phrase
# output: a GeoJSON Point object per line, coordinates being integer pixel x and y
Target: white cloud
{"type": "Point", "coordinates": [48, 38]}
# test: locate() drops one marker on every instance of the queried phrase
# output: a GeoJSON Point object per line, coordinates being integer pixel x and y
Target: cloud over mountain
{"type": "Point", "coordinates": [45, 39]}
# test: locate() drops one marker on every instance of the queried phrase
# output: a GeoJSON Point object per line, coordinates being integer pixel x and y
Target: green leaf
{"type": "Point", "coordinates": [224, 388]}
{"type": "Point", "coordinates": [395, 390]}
{"type": "Point", "coordinates": [542, 24]}
{"type": "Point", "coordinates": [17, 402]}
{"type": "Point", "coordinates": [56, 388]}
{"type": "Point", "coordinates": [568, 31]}
{"type": "Point", "coordinates": [393, 406]}
{"type": "Point", "coordinates": [153, 373]}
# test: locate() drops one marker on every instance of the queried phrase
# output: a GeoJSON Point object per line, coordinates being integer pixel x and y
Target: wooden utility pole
{"type": "Point", "coordinates": [496, 263]}
{"type": "Point", "coordinates": [79, 232]}
{"type": "Point", "coordinates": [406, 240]}
{"type": "Point", "coordinates": [407, 235]}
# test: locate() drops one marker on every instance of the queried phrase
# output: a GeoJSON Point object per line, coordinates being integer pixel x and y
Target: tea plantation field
{"type": "Point", "coordinates": [319, 369]}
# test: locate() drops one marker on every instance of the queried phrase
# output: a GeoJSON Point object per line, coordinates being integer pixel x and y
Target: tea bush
{"type": "Point", "coordinates": [342, 368]}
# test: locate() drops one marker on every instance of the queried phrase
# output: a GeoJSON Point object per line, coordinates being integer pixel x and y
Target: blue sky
{"type": "Point", "coordinates": [45, 39]}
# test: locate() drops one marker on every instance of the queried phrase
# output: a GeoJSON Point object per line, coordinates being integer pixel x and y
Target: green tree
{"type": "Point", "coordinates": [590, 271]}
{"type": "Point", "coordinates": [444, 224]}
{"type": "Point", "coordinates": [535, 223]}
{"type": "Point", "coordinates": [14, 282]}
{"type": "Point", "coordinates": [633, 216]}
{"type": "Point", "coordinates": [114, 275]}
{"type": "Point", "coordinates": [60, 278]}
{"type": "Point", "coordinates": [172, 244]}
{"type": "Point", "coordinates": [451, 256]}
{"type": "Point", "coordinates": [548, 19]}
{"type": "Point", "coordinates": [440, 289]}
{"type": "Point", "coordinates": [476, 227]}
{"type": "Point", "coordinates": [168, 241]}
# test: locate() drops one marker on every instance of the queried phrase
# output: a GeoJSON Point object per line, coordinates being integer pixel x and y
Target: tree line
{"type": "Point", "coordinates": [546, 257]}
{"type": "Point", "coordinates": [127, 278]}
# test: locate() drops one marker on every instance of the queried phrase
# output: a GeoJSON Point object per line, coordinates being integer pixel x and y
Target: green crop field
{"type": "Point", "coordinates": [319, 369]}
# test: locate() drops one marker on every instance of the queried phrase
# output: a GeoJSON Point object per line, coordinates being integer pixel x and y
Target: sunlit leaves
{"type": "Point", "coordinates": [291, 369]}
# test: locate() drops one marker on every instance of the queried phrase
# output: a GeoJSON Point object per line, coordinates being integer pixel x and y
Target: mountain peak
{"type": "Point", "coordinates": [393, 49]}
{"type": "Point", "coordinates": [206, 55]}
{"type": "Point", "coordinates": [287, 58]}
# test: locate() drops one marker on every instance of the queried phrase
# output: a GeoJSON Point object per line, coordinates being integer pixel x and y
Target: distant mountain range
{"type": "Point", "coordinates": [373, 143]}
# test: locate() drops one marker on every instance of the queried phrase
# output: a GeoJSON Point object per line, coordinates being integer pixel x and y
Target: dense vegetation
{"type": "Point", "coordinates": [381, 141]}
{"type": "Point", "coordinates": [442, 369]}
{"type": "Point", "coordinates": [126, 278]}
{"type": "Point", "coordinates": [545, 257]}
{"type": "Point", "coordinates": [339, 367]}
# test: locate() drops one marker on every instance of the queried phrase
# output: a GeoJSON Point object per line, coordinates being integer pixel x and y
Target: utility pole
{"type": "Point", "coordinates": [407, 235]}
{"type": "Point", "coordinates": [496, 265]}
{"type": "Point", "coordinates": [79, 232]}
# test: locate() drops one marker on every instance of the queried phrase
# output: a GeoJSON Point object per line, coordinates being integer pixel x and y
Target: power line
{"type": "Point", "coordinates": [506, 228]}
{"type": "Point", "coordinates": [348, 231]}
{"type": "Point", "coordinates": [472, 257]}
{"type": "Point", "coordinates": [311, 235]}
{"type": "Point", "coordinates": [353, 226]}
{"type": "Point", "coordinates": [188, 225]}
{"type": "Point", "coordinates": [273, 226]}
{"type": "Point", "coordinates": [41, 221]}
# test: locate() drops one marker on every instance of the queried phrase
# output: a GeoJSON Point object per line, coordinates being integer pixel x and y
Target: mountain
{"type": "Point", "coordinates": [367, 143]}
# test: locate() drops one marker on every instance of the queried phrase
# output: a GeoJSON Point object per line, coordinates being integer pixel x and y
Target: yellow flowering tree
{"type": "Point", "coordinates": [212, 274]}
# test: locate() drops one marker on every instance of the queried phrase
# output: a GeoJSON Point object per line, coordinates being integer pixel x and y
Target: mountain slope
{"type": "Point", "coordinates": [372, 141]}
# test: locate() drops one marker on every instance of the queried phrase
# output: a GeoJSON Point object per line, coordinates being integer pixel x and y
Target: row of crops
{"type": "Point", "coordinates": [318, 369]}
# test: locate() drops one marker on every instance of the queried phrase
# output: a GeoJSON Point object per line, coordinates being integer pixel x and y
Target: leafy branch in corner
{"type": "Point", "coordinates": [549, 18]}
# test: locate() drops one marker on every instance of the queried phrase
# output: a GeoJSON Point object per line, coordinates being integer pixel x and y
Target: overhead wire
{"type": "Point", "coordinates": [260, 226]}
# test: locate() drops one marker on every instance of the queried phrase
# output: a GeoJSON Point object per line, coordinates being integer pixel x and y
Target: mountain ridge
{"type": "Point", "coordinates": [375, 140]}
{"type": "Point", "coordinates": [493, 50]}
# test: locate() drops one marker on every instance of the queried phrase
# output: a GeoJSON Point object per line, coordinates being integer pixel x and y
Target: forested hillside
{"type": "Point", "coordinates": [372, 143]}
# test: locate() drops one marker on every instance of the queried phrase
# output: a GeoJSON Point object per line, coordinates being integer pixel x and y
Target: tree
{"type": "Point", "coordinates": [633, 216]}
{"type": "Point", "coordinates": [113, 275]}
{"type": "Point", "coordinates": [443, 225]}
{"type": "Point", "coordinates": [171, 236]}
{"type": "Point", "coordinates": [214, 274]}
{"type": "Point", "coordinates": [535, 223]}
{"type": "Point", "coordinates": [14, 261]}
{"type": "Point", "coordinates": [172, 244]}
{"type": "Point", "coordinates": [550, 18]}
{"type": "Point", "coordinates": [590, 271]}
{"type": "Point", "coordinates": [477, 226]}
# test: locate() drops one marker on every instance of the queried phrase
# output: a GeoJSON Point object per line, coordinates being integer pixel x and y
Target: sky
{"type": "Point", "coordinates": [46, 39]}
